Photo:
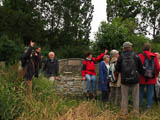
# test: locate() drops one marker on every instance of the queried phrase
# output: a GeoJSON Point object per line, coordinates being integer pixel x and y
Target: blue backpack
{"type": "Point", "coordinates": [149, 67]}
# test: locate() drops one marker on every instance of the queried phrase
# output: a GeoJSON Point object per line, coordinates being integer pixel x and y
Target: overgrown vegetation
{"type": "Point", "coordinates": [46, 105]}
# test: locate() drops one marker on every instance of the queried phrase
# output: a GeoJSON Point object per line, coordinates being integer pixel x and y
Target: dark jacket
{"type": "Point", "coordinates": [29, 66]}
{"type": "Point", "coordinates": [103, 77]}
{"type": "Point", "coordinates": [139, 66]}
{"type": "Point", "coordinates": [38, 61]}
{"type": "Point", "coordinates": [51, 67]}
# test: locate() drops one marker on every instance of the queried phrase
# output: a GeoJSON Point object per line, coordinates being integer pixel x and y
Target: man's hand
{"type": "Point", "coordinates": [102, 82]}
{"type": "Point", "coordinates": [32, 44]}
{"type": "Point", "coordinates": [36, 54]}
{"type": "Point", "coordinates": [84, 78]}
{"type": "Point", "coordinates": [57, 78]}
{"type": "Point", "coordinates": [106, 51]}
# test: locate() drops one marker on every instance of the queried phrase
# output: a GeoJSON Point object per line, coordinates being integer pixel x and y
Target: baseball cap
{"type": "Point", "coordinates": [127, 44]}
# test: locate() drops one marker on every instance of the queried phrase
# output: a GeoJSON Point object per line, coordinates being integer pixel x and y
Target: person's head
{"type": "Point", "coordinates": [38, 49]}
{"type": "Point", "coordinates": [127, 46]}
{"type": "Point", "coordinates": [147, 47]}
{"type": "Point", "coordinates": [51, 55]}
{"type": "Point", "coordinates": [88, 55]}
{"type": "Point", "coordinates": [106, 58]}
{"type": "Point", "coordinates": [114, 54]}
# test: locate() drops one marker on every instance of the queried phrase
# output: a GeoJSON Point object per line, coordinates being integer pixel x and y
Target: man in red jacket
{"type": "Point", "coordinates": [88, 71]}
{"type": "Point", "coordinates": [146, 81]}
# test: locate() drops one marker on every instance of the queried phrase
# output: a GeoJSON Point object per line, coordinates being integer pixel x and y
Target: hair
{"type": "Point", "coordinates": [113, 53]}
{"type": "Point", "coordinates": [88, 54]}
{"type": "Point", "coordinates": [37, 47]}
{"type": "Point", "coordinates": [146, 47]}
{"type": "Point", "coordinates": [105, 56]}
{"type": "Point", "coordinates": [51, 53]}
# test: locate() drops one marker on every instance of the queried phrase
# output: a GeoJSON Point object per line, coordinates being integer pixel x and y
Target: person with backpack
{"type": "Point", "coordinates": [129, 65]}
{"type": "Point", "coordinates": [114, 79]}
{"type": "Point", "coordinates": [28, 64]}
{"type": "Point", "coordinates": [148, 77]}
{"type": "Point", "coordinates": [103, 77]}
{"type": "Point", "coordinates": [88, 72]}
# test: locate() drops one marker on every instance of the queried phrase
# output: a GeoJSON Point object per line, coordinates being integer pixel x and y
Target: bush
{"type": "Point", "coordinates": [10, 50]}
{"type": "Point", "coordinates": [15, 104]}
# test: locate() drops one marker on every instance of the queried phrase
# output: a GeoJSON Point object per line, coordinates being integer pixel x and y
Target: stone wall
{"type": "Point", "coordinates": [73, 65]}
{"type": "Point", "coordinates": [70, 80]}
{"type": "Point", "coordinates": [72, 85]}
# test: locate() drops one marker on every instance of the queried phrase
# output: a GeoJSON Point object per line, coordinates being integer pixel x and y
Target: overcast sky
{"type": "Point", "coordinates": [98, 15]}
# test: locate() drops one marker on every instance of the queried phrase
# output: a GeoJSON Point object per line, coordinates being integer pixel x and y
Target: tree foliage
{"type": "Point", "coordinates": [150, 22]}
{"type": "Point", "coordinates": [146, 12]}
{"type": "Point", "coordinates": [53, 24]}
{"type": "Point", "coordinates": [113, 35]}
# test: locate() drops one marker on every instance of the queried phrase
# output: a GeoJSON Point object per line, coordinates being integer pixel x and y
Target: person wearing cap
{"type": "Point", "coordinates": [115, 87]}
{"type": "Point", "coordinates": [129, 65]}
{"type": "Point", "coordinates": [103, 77]}
{"type": "Point", "coordinates": [149, 83]}
{"type": "Point", "coordinates": [89, 74]}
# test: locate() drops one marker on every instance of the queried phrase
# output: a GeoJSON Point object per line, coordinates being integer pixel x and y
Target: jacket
{"type": "Point", "coordinates": [157, 67]}
{"type": "Point", "coordinates": [51, 67]}
{"type": "Point", "coordinates": [118, 83]}
{"type": "Point", "coordinates": [103, 77]}
{"type": "Point", "coordinates": [29, 66]}
{"type": "Point", "coordinates": [139, 66]}
{"type": "Point", "coordinates": [89, 65]}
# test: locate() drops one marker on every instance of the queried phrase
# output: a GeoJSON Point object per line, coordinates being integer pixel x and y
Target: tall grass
{"type": "Point", "coordinates": [46, 105]}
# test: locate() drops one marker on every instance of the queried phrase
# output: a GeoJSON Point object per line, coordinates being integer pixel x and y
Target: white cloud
{"type": "Point", "coordinates": [99, 15]}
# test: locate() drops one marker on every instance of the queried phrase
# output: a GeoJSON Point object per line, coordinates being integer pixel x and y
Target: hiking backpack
{"type": "Point", "coordinates": [112, 74]}
{"type": "Point", "coordinates": [129, 74]}
{"type": "Point", "coordinates": [149, 67]}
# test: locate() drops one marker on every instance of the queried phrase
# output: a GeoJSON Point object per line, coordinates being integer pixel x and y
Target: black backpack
{"type": "Point", "coordinates": [129, 74]}
{"type": "Point", "coordinates": [149, 67]}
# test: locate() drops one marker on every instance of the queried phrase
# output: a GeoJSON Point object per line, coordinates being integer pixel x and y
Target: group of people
{"type": "Point", "coordinates": [32, 62]}
{"type": "Point", "coordinates": [118, 74]}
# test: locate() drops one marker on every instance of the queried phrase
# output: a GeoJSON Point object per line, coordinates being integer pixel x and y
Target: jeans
{"type": "Point", "coordinates": [91, 81]}
{"type": "Point", "coordinates": [150, 91]}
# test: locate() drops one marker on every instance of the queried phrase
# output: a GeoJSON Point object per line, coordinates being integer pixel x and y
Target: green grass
{"type": "Point", "coordinates": [46, 105]}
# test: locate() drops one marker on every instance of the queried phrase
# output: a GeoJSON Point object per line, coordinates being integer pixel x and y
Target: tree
{"type": "Point", "coordinates": [113, 35]}
{"type": "Point", "coordinates": [122, 8]}
{"type": "Point", "coordinates": [146, 12]}
{"type": "Point", "coordinates": [150, 22]}
{"type": "Point", "coordinates": [68, 21]}
{"type": "Point", "coordinates": [19, 18]}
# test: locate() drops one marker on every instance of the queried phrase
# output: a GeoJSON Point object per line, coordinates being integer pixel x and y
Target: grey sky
{"type": "Point", "coordinates": [98, 15]}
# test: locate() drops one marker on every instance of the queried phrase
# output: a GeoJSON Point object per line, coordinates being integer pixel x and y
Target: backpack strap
{"type": "Point", "coordinates": [145, 55]}
{"type": "Point", "coordinates": [152, 57]}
